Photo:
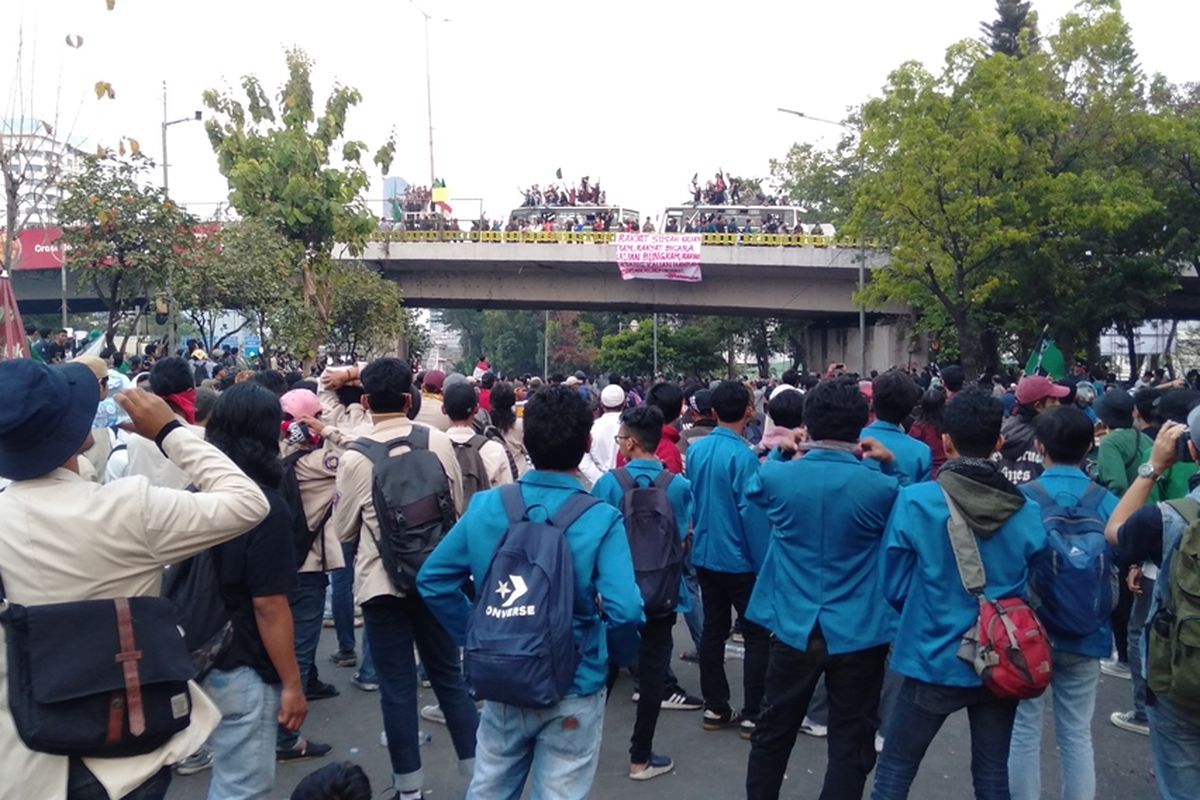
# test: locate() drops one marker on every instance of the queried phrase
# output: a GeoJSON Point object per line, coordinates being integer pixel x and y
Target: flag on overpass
{"type": "Point", "coordinates": [13, 343]}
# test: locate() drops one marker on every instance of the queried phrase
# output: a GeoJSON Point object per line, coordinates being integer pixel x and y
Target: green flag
{"type": "Point", "coordinates": [1049, 359]}
{"type": "Point", "coordinates": [558, 173]}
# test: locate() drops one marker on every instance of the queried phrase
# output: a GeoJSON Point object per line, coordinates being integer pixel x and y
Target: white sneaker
{"type": "Point", "coordinates": [1114, 669]}
{"type": "Point", "coordinates": [878, 744]}
{"type": "Point", "coordinates": [1128, 721]}
{"type": "Point", "coordinates": [814, 729]}
{"type": "Point", "coordinates": [433, 713]}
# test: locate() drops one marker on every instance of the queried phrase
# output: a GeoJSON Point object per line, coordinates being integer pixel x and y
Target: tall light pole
{"type": "Point", "coordinates": [428, 90]}
{"type": "Point", "coordinates": [862, 252]}
{"type": "Point", "coordinates": [166, 123]}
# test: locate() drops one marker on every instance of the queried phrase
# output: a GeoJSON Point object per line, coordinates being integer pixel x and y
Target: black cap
{"type": "Point", "coordinates": [1115, 408]}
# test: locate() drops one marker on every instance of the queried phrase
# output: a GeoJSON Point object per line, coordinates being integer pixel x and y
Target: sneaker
{"type": "Point", "coordinates": [344, 658]}
{"type": "Point", "coordinates": [690, 656]}
{"type": "Point", "coordinates": [328, 622]}
{"type": "Point", "coordinates": [680, 700]}
{"type": "Point", "coordinates": [716, 720]}
{"type": "Point", "coordinates": [304, 749]}
{"type": "Point", "coordinates": [1114, 669]}
{"type": "Point", "coordinates": [746, 729]}
{"type": "Point", "coordinates": [736, 637]}
{"type": "Point", "coordinates": [1128, 721]}
{"type": "Point", "coordinates": [814, 728]}
{"type": "Point", "coordinates": [319, 690]}
{"type": "Point", "coordinates": [658, 765]}
{"type": "Point", "coordinates": [366, 686]}
{"type": "Point", "coordinates": [198, 761]}
{"type": "Point", "coordinates": [878, 744]}
{"type": "Point", "coordinates": [433, 713]}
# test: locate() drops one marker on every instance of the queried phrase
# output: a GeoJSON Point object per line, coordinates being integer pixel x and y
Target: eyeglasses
{"type": "Point", "coordinates": [619, 437]}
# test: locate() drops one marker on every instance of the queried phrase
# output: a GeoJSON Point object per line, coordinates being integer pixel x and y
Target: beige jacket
{"type": "Point", "coordinates": [351, 419]}
{"type": "Point", "coordinates": [431, 412]}
{"type": "Point", "coordinates": [146, 460]}
{"type": "Point", "coordinates": [354, 511]}
{"type": "Point", "coordinates": [493, 454]}
{"type": "Point", "coordinates": [316, 472]}
{"type": "Point", "coordinates": [63, 538]}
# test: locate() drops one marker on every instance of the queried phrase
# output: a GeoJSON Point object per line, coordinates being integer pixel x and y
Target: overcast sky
{"type": "Point", "coordinates": [639, 94]}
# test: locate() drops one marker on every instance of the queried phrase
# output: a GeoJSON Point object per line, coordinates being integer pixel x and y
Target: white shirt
{"type": "Point", "coordinates": [603, 454]}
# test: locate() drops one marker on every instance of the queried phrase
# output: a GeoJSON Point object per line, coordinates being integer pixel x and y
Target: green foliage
{"type": "Point", "coordinates": [820, 181]}
{"type": "Point", "coordinates": [123, 237]}
{"type": "Point", "coordinates": [1014, 32]}
{"type": "Point", "coordinates": [368, 312]}
{"type": "Point", "coordinates": [292, 168]}
{"type": "Point", "coordinates": [244, 266]}
{"type": "Point", "coordinates": [692, 349]}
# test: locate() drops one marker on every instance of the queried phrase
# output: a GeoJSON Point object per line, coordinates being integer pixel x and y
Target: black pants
{"type": "Point", "coordinates": [1120, 618]}
{"type": "Point", "coordinates": [82, 784]}
{"type": "Point", "coordinates": [654, 656]}
{"type": "Point", "coordinates": [853, 681]}
{"type": "Point", "coordinates": [721, 592]}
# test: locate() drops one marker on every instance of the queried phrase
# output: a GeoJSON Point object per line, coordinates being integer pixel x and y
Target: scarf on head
{"type": "Point", "coordinates": [185, 403]}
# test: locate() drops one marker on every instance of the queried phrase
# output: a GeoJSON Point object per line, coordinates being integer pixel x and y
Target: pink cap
{"type": "Point", "coordinates": [300, 403]}
{"type": "Point", "coordinates": [1033, 388]}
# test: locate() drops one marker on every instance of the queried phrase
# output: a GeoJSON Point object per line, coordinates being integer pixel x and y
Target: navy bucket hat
{"type": "Point", "coordinates": [45, 416]}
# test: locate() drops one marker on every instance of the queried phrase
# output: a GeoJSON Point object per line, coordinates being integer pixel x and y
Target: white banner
{"type": "Point", "coordinates": [659, 256]}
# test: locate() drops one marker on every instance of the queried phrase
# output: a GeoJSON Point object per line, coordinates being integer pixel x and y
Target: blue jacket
{"type": "Point", "coordinates": [828, 511]}
{"type": "Point", "coordinates": [920, 579]}
{"type": "Point", "coordinates": [600, 554]}
{"type": "Point", "coordinates": [914, 459]}
{"type": "Point", "coordinates": [1066, 485]}
{"type": "Point", "coordinates": [730, 533]}
{"type": "Point", "coordinates": [679, 492]}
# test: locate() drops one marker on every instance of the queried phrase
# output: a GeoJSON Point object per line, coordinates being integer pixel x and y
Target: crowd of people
{"type": "Point", "coordinates": [585, 194]}
{"type": "Point", "coordinates": [890, 550]}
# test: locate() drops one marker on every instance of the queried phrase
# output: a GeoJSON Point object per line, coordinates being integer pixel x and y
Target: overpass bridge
{"type": "Point", "coordinates": [813, 277]}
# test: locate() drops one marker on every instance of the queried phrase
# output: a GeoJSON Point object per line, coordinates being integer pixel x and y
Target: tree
{"type": "Point", "coordinates": [820, 181]}
{"type": "Point", "coordinates": [123, 236]}
{"type": "Point", "coordinates": [367, 311]}
{"type": "Point", "coordinates": [1014, 32]}
{"type": "Point", "coordinates": [294, 169]}
{"type": "Point", "coordinates": [243, 266]}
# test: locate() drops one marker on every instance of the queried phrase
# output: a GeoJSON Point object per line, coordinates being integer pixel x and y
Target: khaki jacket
{"type": "Point", "coordinates": [63, 539]}
{"type": "Point", "coordinates": [316, 472]}
{"type": "Point", "coordinates": [146, 460]}
{"type": "Point", "coordinates": [354, 511]}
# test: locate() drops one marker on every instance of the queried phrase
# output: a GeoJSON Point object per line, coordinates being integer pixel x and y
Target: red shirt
{"type": "Point", "coordinates": [667, 452]}
{"type": "Point", "coordinates": [485, 399]}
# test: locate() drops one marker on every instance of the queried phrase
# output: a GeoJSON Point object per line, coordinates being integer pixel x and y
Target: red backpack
{"type": "Point", "coordinates": [1007, 647]}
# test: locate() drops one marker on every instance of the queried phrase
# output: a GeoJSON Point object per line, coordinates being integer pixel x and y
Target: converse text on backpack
{"type": "Point", "coordinates": [510, 592]}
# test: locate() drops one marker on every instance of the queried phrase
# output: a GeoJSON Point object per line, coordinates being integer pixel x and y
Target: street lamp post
{"type": "Point", "coordinates": [173, 341]}
{"type": "Point", "coordinates": [428, 91]}
{"type": "Point", "coordinates": [862, 252]}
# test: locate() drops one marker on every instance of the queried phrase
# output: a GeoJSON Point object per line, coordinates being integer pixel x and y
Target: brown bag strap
{"type": "Point", "coordinates": [128, 658]}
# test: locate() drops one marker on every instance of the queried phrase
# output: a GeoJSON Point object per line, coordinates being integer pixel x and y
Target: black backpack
{"type": "Point", "coordinates": [654, 541]}
{"type": "Point", "coordinates": [194, 586]}
{"type": "Point", "coordinates": [289, 487]}
{"type": "Point", "coordinates": [412, 500]}
{"type": "Point", "coordinates": [474, 471]}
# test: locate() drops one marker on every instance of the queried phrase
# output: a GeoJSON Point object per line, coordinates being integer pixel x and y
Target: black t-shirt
{"type": "Point", "coordinates": [1141, 537]}
{"type": "Point", "coordinates": [259, 563]}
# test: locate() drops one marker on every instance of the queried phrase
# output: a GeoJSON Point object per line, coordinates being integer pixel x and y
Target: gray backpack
{"type": "Point", "coordinates": [653, 540]}
{"type": "Point", "coordinates": [412, 500]}
{"type": "Point", "coordinates": [474, 471]}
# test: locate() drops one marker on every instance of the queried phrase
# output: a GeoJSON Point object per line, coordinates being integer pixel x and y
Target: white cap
{"type": "Point", "coordinates": [613, 396]}
{"type": "Point", "coordinates": [572, 380]}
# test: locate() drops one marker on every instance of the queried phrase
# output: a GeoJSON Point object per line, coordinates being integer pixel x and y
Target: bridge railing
{"type": "Point", "coordinates": [606, 237]}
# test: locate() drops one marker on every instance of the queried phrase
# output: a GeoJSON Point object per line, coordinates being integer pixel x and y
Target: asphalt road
{"type": "Point", "coordinates": [708, 764]}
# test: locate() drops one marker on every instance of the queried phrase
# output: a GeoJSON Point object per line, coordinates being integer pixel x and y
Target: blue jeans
{"type": "Point", "coordinates": [920, 710]}
{"type": "Point", "coordinates": [1074, 689]}
{"type": "Point", "coordinates": [307, 601]}
{"type": "Point", "coordinates": [243, 744]}
{"type": "Point", "coordinates": [341, 583]}
{"type": "Point", "coordinates": [392, 626]}
{"type": "Point", "coordinates": [556, 748]}
{"type": "Point", "coordinates": [695, 617]}
{"type": "Point", "coordinates": [1175, 747]}
{"type": "Point", "coordinates": [1137, 626]}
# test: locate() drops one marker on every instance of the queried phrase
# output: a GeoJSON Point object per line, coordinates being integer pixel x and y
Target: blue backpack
{"type": "Point", "coordinates": [1075, 579]}
{"type": "Point", "coordinates": [520, 647]}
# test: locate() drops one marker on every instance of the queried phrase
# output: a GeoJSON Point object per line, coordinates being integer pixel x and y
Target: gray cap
{"type": "Point", "coordinates": [452, 379]}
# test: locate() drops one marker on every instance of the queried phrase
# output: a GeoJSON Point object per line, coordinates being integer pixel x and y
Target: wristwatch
{"type": "Point", "coordinates": [1147, 471]}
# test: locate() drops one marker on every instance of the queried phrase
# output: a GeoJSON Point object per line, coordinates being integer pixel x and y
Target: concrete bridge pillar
{"type": "Point", "coordinates": [890, 342]}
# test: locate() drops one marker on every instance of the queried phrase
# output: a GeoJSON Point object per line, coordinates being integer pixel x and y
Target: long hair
{"type": "Point", "coordinates": [503, 398]}
{"type": "Point", "coordinates": [244, 425]}
{"type": "Point", "coordinates": [929, 410]}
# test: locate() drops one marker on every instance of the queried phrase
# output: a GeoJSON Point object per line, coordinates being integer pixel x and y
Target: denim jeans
{"type": "Point", "coordinates": [556, 749]}
{"type": "Point", "coordinates": [920, 710]}
{"type": "Point", "coordinates": [1073, 688]}
{"type": "Point", "coordinates": [341, 583]}
{"type": "Point", "coordinates": [243, 744]}
{"type": "Point", "coordinates": [82, 784]}
{"type": "Point", "coordinates": [722, 592]}
{"type": "Point", "coordinates": [1175, 748]}
{"type": "Point", "coordinates": [393, 625]}
{"type": "Point", "coordinates": [307, 601]}
{"type": "Point", "coordinates": [695, 617]}
{"type": "Point", "coordinates": [853, 681]}
{"type": "Point", "coordinates": [1137, 626]}
{"type": "Point", "coordinates": [654, 659]}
